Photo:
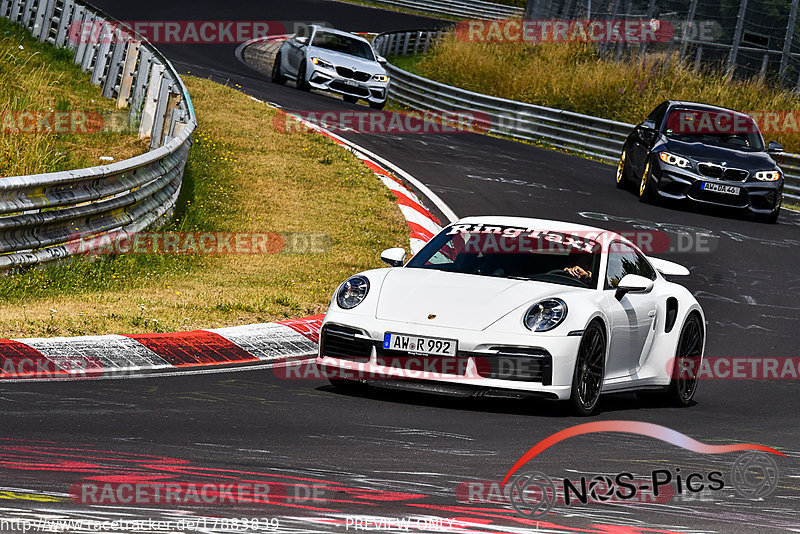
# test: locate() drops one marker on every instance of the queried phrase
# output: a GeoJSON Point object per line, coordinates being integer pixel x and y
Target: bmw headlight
{"type": "Point", "coordinates": [545, 315]}
{"type": "Point", "coordinates": [352, 292]}
{"type": "Point", "coordinates": [380, 78]}
{"type": "Point", "coordinates": [672, 159]}
{"type": "Point", "coordinates": [322, 63]}
{"type": "Point", "coordinates": [768, 176]}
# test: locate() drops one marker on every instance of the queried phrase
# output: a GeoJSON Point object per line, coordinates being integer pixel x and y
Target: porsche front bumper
{"type": "Point", "coordinates": [486, 364]}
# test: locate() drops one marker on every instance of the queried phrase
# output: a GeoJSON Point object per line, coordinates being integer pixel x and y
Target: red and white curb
{"type": "Point", "coordinates": [115, 356]}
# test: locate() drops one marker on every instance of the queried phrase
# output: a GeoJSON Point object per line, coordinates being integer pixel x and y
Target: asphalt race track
{"type": "Point", "coordinates": [400, 455]}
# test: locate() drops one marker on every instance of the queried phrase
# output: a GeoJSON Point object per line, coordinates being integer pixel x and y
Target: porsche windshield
{"type": "Point", "coordinates": [509, 252]}
{"type": "Point", "coordinates": [343, 44]}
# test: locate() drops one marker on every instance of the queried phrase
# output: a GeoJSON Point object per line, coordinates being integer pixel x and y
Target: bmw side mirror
{"type": "Point", "coordinates": [381, 60]}
{"type": "Point", "coordinates": [393, 257]}
{"type": "Point", "coordinates": [773, 147]}
{"type": "Point", "coordinates": [633, 283]}
{"type": "Point", "coordinates": [648, 125]}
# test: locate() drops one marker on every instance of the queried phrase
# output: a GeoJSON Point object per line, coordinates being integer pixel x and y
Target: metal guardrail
{"type": "Point", "coordinates": [584, 134]}
{"type": "Point", "coordinates": [43, 217]}
{"type": "Point", "coordinates": [459, 8]}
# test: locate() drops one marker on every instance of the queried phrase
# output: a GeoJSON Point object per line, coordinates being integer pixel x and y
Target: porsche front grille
{"type": "Point", "coordinates": [513, 363]}
{"type": "Point", "coordinates": [341, 342]}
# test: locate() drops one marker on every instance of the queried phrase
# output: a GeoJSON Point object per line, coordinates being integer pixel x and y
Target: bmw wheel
{"type": "Point", "coordinates": [587, 380]}
{"type": "Point", "coordinates": [622, 172]}
{"type": "Point", "coordinates": [302, 83]}
{"type": "Point", "coordinates": [646, 185]}
{"type": "Point", "coordinates": [277, 75]}
{"type": "Point", "coordinates": [350, 99]}
{"type": "Point", "coordinates": [377, 105]}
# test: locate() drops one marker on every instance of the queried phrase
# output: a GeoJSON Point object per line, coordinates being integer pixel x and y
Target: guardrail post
{"type": "Point", "coordinates": [128, 70]}
{"type": "Point", "coordinates": [110, 87]}
{"type": "Point", "coordinates": [698, 57]}
{"type": "Point", "coordinates": [151, 100]}
{"type": "Point", "coordinates": [406, 39]}
{"type": "Point", "coordinates": [27, 13]}
{"type": "Point", "coordinates": [3, 8]}
{"type": "Point", "coordinates": [90, 54]}
{"type": "Point", "coordinates": [416, 42]}
{"type": "Point", "coordinates": [101, 56]}
{"type": "Point", "coordinates": [78, 33]}
{"type": "Point", "coordinates": [16, 5]}
{"type": "Point", "coordinates": [136, 101]}
{"type": "Point", "coordinates": [64, 20]}
{"type": "Point", "coordinates": [39, 19]}
{"type": "Point", "coordinates": [389, 43]}
{"type": "Point", "coordinates": [160, 114]}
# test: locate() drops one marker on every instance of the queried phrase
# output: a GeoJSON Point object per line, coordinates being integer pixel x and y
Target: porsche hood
{"type": "Point", "coordinates": [436, 298]}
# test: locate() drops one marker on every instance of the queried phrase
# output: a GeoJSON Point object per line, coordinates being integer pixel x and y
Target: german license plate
{"type": "Point", "coordinates": [720, 188]}
{"type": "Point", "coordinates": [420, 344]}
{"type": "Point", "coordinates": [351, 83]}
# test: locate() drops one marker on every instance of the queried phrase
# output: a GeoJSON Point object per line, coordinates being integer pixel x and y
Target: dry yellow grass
{"type": "Point", "coordinates": [242, 176]}
{"type": "Point", "coordinates": [572, 76]}
{"type": "Point", "coordinates": [38, 78]}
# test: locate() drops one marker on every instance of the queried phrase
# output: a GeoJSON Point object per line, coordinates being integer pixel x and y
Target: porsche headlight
{"type": "Point", "coordinates": [545, 315]}
{"type": "Point", "coordinates": [352, 292]}
{"type": "Point", "coordinates": [322, 63]}
{"type": "Point", "coordinates": [672, 159]}
{"type": "Point", "coordinates": [768, 176]}
{"type": "Point", "coordinates": [380, 78]}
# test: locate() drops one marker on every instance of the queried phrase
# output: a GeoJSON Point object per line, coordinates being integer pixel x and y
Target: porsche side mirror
{"type": "Point", "coordinates": [393, 256]}
{"type": "Point", "coordinates": [633, 283]}
{"type": "Point", "coordinates": [773, 147]}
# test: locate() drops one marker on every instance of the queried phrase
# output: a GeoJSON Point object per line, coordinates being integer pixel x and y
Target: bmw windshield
{"type": "Point", "coordinates": [343, 44]}
{"type": "Point", "coordinates": [723, 128]}
{"type": "Point", "coordinates": [509, 252]}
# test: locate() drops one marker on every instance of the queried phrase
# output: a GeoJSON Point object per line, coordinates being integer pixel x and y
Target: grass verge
{"type": "Point", "coordinates": [36, 77]}
{"type": "Point", "coordinates": [243, 175]}
{"type": "Point", "coordinates": [572, 76]}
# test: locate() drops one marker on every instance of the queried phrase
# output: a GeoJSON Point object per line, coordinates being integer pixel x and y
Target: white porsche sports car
{"type": "Point", "coordinates": [510, 306]}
